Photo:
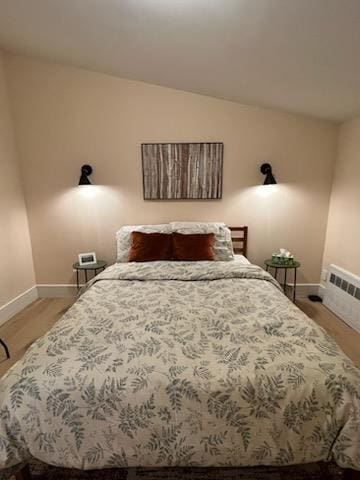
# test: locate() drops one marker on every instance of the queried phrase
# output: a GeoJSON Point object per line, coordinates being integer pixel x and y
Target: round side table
{"type": "Point", "coordinates": [277, 266]}
{"type": "Point", "coordinates": [99, 265]}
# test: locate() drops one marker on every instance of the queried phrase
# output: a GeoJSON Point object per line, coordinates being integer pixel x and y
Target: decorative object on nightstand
{"type": "Point", "coordinates": [285, 264]}
{"type": "Point", "coordinates": [88, 258]}
{"type": "Point", "coordinates": [99, 265]}
{"type": "Point", "coordinates": [282, 257]}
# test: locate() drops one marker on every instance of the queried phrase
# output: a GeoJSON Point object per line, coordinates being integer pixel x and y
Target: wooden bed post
{"type": "Point", "coordinates": [239, 242]}
{"type": "Point", "coordinates": [23, 474]}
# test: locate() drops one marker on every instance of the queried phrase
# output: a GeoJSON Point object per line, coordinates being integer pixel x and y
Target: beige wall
{"type": "Point", "coordinates": [343, 232]}
{"type": "Point", "coordinates": [16, 266]}
{"type": "Point", "coordinates": [66, 117]}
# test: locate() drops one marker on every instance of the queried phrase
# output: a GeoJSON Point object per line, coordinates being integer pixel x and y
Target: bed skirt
{"type": "Point", "coordinates": [36, 470]}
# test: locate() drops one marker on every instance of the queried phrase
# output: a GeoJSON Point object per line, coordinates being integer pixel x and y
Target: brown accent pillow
{"type": "Point", "coordinates": [148, 247]}
{"type": "Point", "coordinates": [193, 247]}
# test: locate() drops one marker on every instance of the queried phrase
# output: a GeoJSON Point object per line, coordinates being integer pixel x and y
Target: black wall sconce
{"type": "Point", "coordinates": [86, 170]}
{"type": "Point", "coordinates": [266, 170]}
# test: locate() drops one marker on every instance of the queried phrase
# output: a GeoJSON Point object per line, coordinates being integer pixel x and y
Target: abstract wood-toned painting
{"type": "Point", "coordinates": [182, 170]}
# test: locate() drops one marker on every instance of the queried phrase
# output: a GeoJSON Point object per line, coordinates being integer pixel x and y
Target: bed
{"type": "Point", "coordinates": [182, 364]}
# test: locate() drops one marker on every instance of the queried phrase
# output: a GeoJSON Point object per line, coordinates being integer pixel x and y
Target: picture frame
{"type": "Point", "coordinates": [182, 171]}
{"type": "Point", "coordinates": [88, 258]}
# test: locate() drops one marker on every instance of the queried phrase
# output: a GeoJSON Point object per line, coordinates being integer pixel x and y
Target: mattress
{"type": "Point", "coordinates": [182, 364]}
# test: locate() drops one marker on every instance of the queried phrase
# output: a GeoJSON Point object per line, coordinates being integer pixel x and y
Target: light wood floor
{"type": "Point", "coordinates": [38, 318]}
{"type": "Point", "coordinates": [28, 325]}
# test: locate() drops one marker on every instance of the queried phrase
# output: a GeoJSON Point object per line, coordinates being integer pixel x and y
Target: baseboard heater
{"type": "Point", "coordinates": [342, 295]}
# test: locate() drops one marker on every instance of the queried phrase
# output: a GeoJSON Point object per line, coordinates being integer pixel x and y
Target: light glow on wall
{"type": "Point", "coordinates": [266, 191]}
{"type": "Point", "coordinates": [89, 191]}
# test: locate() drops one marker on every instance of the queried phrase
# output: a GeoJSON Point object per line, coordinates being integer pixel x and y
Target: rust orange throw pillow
{"type": "Point", "coordinates": [197, 246]}
{"type": "Point", "coordinates": [148, 247]}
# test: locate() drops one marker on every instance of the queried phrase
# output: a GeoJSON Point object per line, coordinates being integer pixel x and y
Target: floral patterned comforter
{"type": "Point", "coordinates": [165, 364]}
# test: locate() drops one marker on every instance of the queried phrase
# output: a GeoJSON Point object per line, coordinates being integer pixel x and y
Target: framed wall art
{"type": "Point", "coordinates": [182, 171]}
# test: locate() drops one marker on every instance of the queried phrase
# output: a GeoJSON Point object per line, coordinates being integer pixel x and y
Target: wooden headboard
{"type": "Point", "coordinates": [239, 237]}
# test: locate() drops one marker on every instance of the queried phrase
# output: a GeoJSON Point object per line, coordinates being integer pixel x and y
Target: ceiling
{"type": "Point", "coordinates": [296, 55]}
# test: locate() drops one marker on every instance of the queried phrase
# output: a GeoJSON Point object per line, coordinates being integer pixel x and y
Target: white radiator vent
{"type": "Point", "coordinates": [342, 295]}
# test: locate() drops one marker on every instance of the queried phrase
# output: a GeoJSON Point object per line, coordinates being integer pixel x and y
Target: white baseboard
{"type": "Point", "coordinates": [57, 290]}
{"type": "Point", "coordinates": [305, 289]}
{"type": "Point", "coordinates": [17, 304]}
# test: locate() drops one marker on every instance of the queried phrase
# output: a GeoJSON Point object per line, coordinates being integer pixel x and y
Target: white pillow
{"type": "Point", "coordinates": [223, 247]}
{"type": "Point", "coordinates": [241, 259]}
{"type": "Point", "coordinates": [197, 227]}
{"type": "Point", "coordinates": [123, 237]}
